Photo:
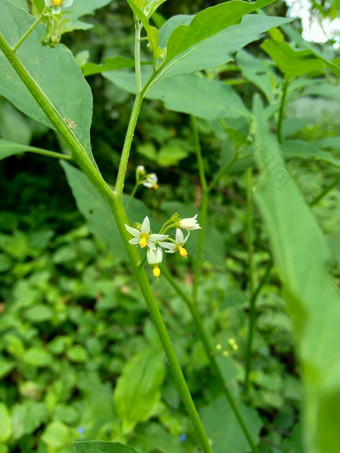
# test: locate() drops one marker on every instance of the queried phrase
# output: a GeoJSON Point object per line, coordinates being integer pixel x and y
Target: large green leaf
{"type": "Point", "coordinates": [98, 213]}
{"type": "Point", "coordinates": [96, 446]}
{"type": "Point", "coordinates": [212, 38]}
{"type": "Point", "coordinates": [295, 36]}
{"type": "Point", "coordinates": [223, 429]}
{"type": "Point", "coordinates": [138, 389]}
{"type": "Point", "coordinates": [55, 70]}
{"type": "Point", "coordinates": [292, 63]}
{"type": "Point", "coordinates": [192, 94]}
{"type": "Point", "coordinates": [313, 300]}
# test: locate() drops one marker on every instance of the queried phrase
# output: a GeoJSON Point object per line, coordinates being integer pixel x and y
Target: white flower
{"type": "Point", "coordinates": [143, 237]}
{"type": "Point", "coordinates": [155, 258]}
{"type": "Point", "coordinates": [151, 181]}
{"type": "Point", "coordinates": [178, 246]}
{"type": "Point", "coordinates": [57, 5]}
{"type": "Point", "coordinates": [189, 224]}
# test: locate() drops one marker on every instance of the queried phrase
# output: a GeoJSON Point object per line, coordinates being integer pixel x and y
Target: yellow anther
{"type": "Point", "coordinates": [57, 2]}
{"type": "Point", "coordinates": [143, 241]}
{"type": "Point", "coordinates": [183, 252]}
{"type": "Point", "coordinates": [155, 186]}
{"type": "Point", "coordinates": [156, 271]}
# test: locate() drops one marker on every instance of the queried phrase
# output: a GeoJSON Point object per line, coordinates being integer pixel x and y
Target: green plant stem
{"type": "Point", "coordinates": [325, 191]}
{"type": "Point", "coordinates": [281, 111]}
{"type": "Point", "coordinates": [29, 31]}
{"type": "Point", "coordinates": [199, 154]}
{"type": "Point", "coordinates": [210, 354]}
{"type": "Point", "coordinates": [115, 201]}
{"type": "Point", "coordinates": [252, 317]}
{"type": "Point", "coordinates": [44, 152]}
{"type": "Point", "coordinates": [199, 259]}
{"type": "Point", "coordinates": [222, 172]}
{"type": "Point", "coordinates": [203, 210]}
{"type": "Point", "coordinates": [127, 145]}
{"type": "Point", "coordinates": [137, 56]}
{"type": "Point", "coordinates": [250, 278]}
{"type": "Point", "coordinates": [133, 118]}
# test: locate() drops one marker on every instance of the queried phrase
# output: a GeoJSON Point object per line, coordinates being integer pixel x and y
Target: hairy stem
{"type": "Point", "coordinates": [210, 354]}
{"type": "Point", "coordinates": [115, 201]}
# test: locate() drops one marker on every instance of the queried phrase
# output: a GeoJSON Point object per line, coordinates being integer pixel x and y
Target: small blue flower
{"type": "Point", "coordinates": [183, 437]}
{"type": "Point", "coordinates": [80, 430]}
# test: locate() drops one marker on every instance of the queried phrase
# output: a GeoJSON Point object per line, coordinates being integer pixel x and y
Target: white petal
{"type": "Point", "coordinates": [170, 251]}
{"type": "Point", "coordinates": [167, 245]}
{"type": "Point", "coordinates": [48, 3]}
{"type": "Point", "coordinates": [179, 236]}
{"type": "Point", "coordinates": [185, 240]}
{"type": "Point", "coordinates": [67, 3]}
{"type": "Point", "coordinates": [159, 255]}
{"type": "Point", "coordinates": [134, 241]}
{"type": "Point", "coordinates": [136, 233]}
{"type": "Point", "coordinates": [158, 237]}
{"type": "Point", "coordinates": [151, 256]}
{"type": "Point", "coordinates": [146, 225]}
{"type": "Point", "coordinates": [56, 9]}
{"type": "Point", "coordinates": [151, 245]}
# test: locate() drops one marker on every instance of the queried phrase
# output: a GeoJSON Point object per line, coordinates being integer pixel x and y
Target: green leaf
{"type": "Point", "coordinates": [292, 63]}
{"type": "Point", "coordinates": [223, 429]}
{"type": "Point", "coordinates": [212, 37]}
{"type": "Point", "coordinates": [38, 313]}
{"type": "Point", "coordinates": [306, 150]}
{"type": "Point", "coordinates": [38, 357]}
{"type": "Point", "coordinates": [55, 70]}
{"type": "Point", "coordinates": [6, 423]}
{"type": "Point", "coordinates": [98, 213]}
{"type": "Point", "coordinates": [56, 435]}
{"type": "Point", "coordinates": [96, 446]}
{"type": "Point", "coordinates": [313, 300]}
{"type": "Point", "coordinates": [109, 64]}
{"type": "Point", "coordinates": [138, 389]}
{"type": "Point", "coordinates": [77, 354]}
{"type": "Point", "coordinates": [27, 417]}
{"type": "Point", "coordinates": [191, 94]}
{"type": "Point", "coordinates": [257, 72]}
{"type": "Point", "coordinates": [295, 36]}
{"type": "Point", "coordinates": [151, 31]}
{"type": "Point", "coordinates": [80, 8]}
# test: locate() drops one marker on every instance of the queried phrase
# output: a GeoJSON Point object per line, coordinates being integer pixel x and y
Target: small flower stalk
{"type": "Point", "coordinates": [154, 243]}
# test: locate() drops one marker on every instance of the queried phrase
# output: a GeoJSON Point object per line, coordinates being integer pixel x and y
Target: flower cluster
{"type": "Point", "coordinates": [58, 5]}
{"type": "Point", "coordinates": [148, 180]}
{"type": "Point", "coordinates": [143, 237]}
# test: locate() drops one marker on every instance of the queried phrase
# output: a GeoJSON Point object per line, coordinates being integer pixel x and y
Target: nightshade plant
{"type": "Point", "coordinates": [46, 83]}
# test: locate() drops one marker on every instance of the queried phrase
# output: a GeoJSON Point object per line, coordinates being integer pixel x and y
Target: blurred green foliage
{"type": "Point", "coordinates": [76, 336]}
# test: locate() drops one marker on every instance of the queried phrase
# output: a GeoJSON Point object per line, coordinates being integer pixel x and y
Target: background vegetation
{"type": "Point", "coordinates": [79, 356]}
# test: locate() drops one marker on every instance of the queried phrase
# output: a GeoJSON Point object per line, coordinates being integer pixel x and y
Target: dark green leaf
{"type": "Point", "coordinates": [55, 70]}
